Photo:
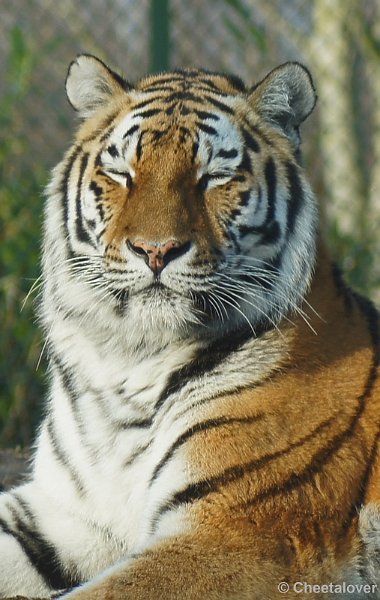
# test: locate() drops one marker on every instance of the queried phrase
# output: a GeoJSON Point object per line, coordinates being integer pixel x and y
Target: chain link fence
{"type": "Point", "coordinates": [338, 40]}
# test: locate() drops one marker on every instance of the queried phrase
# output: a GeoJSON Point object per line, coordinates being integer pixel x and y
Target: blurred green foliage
{"type": "Point", "coordinates": [357, 254]}
{"type": "Point", "coordinates": [20, 230]}
{"type": "Point", "coordinates": [21, 379]}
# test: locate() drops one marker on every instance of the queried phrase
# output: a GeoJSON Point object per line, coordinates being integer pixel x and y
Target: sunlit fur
{"type": "Point", "coordinates": [212, 421]}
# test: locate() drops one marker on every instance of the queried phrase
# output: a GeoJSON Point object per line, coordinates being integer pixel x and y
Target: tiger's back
{"type": "Point", "coordinates": [213, 415]}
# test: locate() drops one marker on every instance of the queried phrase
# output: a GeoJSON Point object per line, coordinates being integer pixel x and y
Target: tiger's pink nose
{"type": "Point", "coordinates": [157, 255]}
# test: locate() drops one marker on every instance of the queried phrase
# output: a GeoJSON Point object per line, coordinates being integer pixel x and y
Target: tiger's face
{"type": "Point", "coordinates": [183, 197]}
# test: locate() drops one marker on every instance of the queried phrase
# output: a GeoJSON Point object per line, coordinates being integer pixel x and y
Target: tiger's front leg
{"type": "Point", "coordinates": [44, 548]}
{"type": "Point", "coordinates": [186, 568]}
{"type": "Point", "coordinates": [26, 553]}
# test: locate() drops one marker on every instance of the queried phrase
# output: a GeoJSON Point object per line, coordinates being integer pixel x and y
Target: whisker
{"type": "Point", "coordinates": [36, 285]}
{"type": "Point", "coordinates": [235, 294]}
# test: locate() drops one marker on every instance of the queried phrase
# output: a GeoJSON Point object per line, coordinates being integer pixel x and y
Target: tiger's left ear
{"type": "Point", "coordinates": [284, 98]}
{"type": "Point", "coordinates": [90, 84]}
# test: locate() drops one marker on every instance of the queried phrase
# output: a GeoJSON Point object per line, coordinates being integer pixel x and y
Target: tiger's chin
{"type": "Point", "coordinates": [160, 316]}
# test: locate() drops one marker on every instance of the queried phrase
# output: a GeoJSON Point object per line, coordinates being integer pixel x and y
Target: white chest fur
{"type": "Point", "coordinates": [107, 435]}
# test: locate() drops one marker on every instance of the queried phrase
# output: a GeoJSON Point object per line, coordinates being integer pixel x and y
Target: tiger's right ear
{"type": "Point", "coordinates": [90, 84]}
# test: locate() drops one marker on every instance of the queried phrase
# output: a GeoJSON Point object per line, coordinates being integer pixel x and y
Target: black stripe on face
{"type": "Point", "coordinates": [194, 151]}
{"type": "Point", "coordinates": [146, 102]}
{"type": "Point", "coordinates": [113, 151]}
{"type": "Point", "coordinates": [82, 233]}
{"type": "Point", "coordinates": [269, 234]}
{"type": "Point", "coordinates": [131, 131]}
{"type": "Point", "coordinates": [97, 190]}
{"type": "Point", "coordinates": [246, 163]}
{"type": "Point", "coordinates": [147, 113]}
{"type": "Point", "coordinates": [227, 153]}
{"type": "Point", "coordinates": [159, 88]}
{"type": "Point", "coordinates": [223, 107]}
{"type": "Point", "coordinates": [184, 96]}
{"type": "Point", "coordinates": [194, 430]}
{"type": "Point", "coordinates": [250, 141]}
{"type": "Point", "coordinates": [206, 128]}
{"type": "Point", "coordinates": [245, 197]}
{"type": "Point", "coordinates": [139, 146]}
{"type": "Point", "coordinates": [203, 114]}
{"type": "Point", "coordinates": [165, 79]}
{"type": "Point", "coordinates": [41, 554]}
{"type": "Point", "coordinates": [109, 126]}
{"type": "Point", "coordinates": [64, 188]}
{"type": "Point", "coordinates": [296, 196]}
{"type": "Point", "coordinates": [271, 181]}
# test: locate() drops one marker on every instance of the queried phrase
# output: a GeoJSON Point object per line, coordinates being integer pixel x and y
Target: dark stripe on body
{"type": "Point", "coordinates": [62, 458]}
{"type": "Point", "coordinates": [198, 428]}
{"type": "Point", "coordinates": [41, 554]}
{"type": "Point", "coordinates": [323, 456]}
{"type": "Point", "coordinates": [204, 487]}
{"type": "Point", "coordinates": [66, 378]}
{"type": "Point", "coordinates": [207, 360]}
{"type": "Point", "coordinates": [138, 452]}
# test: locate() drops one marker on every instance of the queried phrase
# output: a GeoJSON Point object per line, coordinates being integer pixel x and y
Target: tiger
{"type": "Point", "coordinates": [212, 423]}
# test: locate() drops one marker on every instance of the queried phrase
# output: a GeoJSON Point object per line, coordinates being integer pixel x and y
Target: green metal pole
{"type": "Point", "coordinates": [159, 35]}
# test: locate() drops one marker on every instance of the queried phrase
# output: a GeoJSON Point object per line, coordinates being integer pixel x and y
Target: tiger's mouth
{"type": "Point", "coordinates": [157, 296]}
{"type": "Point", "coordinates": [155, 292]}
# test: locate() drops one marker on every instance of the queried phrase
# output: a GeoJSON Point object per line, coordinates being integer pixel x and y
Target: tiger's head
{"type": "Point", "coordinates": [182, 206]}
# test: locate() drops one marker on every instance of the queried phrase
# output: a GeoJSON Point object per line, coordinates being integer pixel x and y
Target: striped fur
{"type": "Point", "coordinates": [212, 423]}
